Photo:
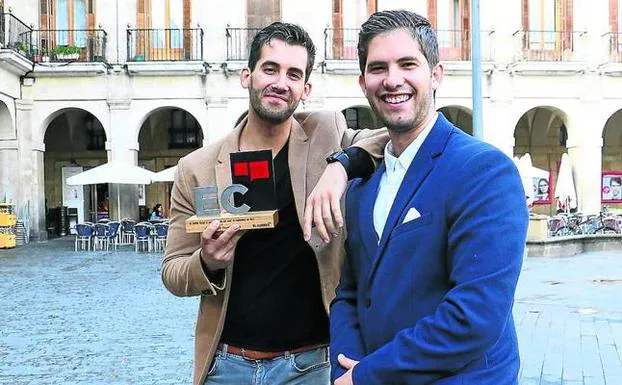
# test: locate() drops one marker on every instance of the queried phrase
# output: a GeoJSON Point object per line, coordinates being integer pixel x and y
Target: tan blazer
{"type": "Point", "coordinates": [313, 136]}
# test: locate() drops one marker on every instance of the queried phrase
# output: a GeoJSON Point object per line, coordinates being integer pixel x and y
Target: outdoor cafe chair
{"type": "Point", "coordinates": [142, 236]}
{"type": "Point", "coordinates": [84, 233]}
{"type": "Point", "coordinates": [100, 238]}
{"type": "Point", "coordinates": [161, 231]}
{"type": "Point", "coordinates": [127, 231]}
{"type": "Point", "coordinates": [113, 233]}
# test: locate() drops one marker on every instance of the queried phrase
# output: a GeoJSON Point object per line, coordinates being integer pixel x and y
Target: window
{"type": "Point", "coordinates": [348, 15]}
{"type": "Point", "coordinates": [262, 12]}
{"type": "Point", "coordinates": [548, 25]}
{"type": "Point", "coordinates": [163, 30]}
{"type": "Point", "coordinates": [70, 22]}
{"type": "Point", "coordinates": [451, 19]}
{"type": "Point", "coordinates": [184, 131]}
{"type": "Point", "coordinates": [542, 25]}
{"type": "Point", "coordinates": [167, 20]}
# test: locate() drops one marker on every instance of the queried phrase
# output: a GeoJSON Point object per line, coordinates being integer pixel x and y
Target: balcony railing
{"type": "Point", "coordinates": [341, 44]}
{"type": "Point", "coordinates": [547, 45]}
{"type": "Point", "coordinates": [614, 42]}
{"type": "Point", "coordinates": [165, 44]}
{"type": "Point", "coordinates": [455, 45]}
{"type": "Point", "coordinates": [15, 34]}
{"type": "Point", "coordinates": [239, 42]}
{"type": "Point", "coordinates": [68, 45]}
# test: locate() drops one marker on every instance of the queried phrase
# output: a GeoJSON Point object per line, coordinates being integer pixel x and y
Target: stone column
{"type": "Point", "coordinates": [585, 158]}
{"type": "Point", "coordinates": [499, 125]}
{"type": "Point", "coordinates": [219, 122]}
{"type": "Point", "coordinates": [30, 198]}
{"type": "Point", "coordinates": [122, 146]}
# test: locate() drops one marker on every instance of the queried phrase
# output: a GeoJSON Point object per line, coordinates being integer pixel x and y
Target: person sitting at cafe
{"type": "Point", "coordinates": [157, 213]}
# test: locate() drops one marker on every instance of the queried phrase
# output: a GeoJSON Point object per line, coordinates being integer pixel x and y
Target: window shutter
{"type": "Point", "coordinates": [526, 15]}
{"type": "Point", "coordinates": [613, 16]}
{"type": "Point", "coordinates": [432, 12]}
{"type": "Point", "coordinates": [372, 6]}
{"type": "Point", "coordinates": [90, 14]}
{"type": "Point", "coordinates": [337, 29]}
{"type": "Point", "coordinates": [141, 14]}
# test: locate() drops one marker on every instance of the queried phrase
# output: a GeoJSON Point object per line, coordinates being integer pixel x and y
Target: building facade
{"type": "Point", "coordinates": [83, 82]}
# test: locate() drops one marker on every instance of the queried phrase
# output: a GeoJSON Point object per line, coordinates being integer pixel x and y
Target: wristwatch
{"type": "Point", "coordinates": [341, 157]}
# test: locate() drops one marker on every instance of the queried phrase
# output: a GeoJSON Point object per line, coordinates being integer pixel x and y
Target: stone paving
{"type": "Point", "coordinates": [105, 318]}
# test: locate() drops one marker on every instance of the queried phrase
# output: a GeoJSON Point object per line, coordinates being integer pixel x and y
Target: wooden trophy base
{"type": "Point", "coordinates": [248, 221]}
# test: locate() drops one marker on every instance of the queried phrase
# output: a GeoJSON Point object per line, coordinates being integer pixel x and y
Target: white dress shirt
{"type": "Point", "coordinates": [394, 174]}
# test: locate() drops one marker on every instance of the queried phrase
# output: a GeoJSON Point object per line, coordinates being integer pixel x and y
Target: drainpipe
{"type": "Point", "coordinates": [476, 70]}
{"type": "Point", "coordinates": [117, 29]}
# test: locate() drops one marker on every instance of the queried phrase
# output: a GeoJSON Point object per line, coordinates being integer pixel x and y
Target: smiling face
{"type": "Point", "coordinates": [277, 84]}
{"type": "Point", "coordinates": [398, 81]}
{"type": "Point", "coordinates": [543, 186]}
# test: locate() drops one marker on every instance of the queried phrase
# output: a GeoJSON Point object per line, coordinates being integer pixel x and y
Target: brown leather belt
{"type": "Point", "coordinates": [257, 355]}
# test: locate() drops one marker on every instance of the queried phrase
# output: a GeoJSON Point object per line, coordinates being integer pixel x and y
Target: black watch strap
{"type": "Point", "coordinates": [341, 157]}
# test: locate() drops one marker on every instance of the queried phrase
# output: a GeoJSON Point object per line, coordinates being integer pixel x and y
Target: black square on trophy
{"type": "Point", "coordinates": [254, 170]}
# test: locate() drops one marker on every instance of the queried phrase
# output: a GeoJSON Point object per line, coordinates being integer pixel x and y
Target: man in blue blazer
{"type": "Point", "coordinates": [435, 237]}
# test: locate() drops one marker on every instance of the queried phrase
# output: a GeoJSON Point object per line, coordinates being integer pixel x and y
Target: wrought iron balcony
{"type": "Point", "coordinates": [454, 45]}
{"type": "Point", "coordinates": [341, 43]}
{"type": "Point", "coordinates": [69, 45]}
{"type": "Point", "coordinates": [15, 34]}
{"type": "Point", "coordinates": [547, 45]}
{"type": "Point", "coordinates": [614, 42]}
{"type": "Point", "coordinates": [165, 44]}
{"type": "Point", "coordinates": [239, 42]}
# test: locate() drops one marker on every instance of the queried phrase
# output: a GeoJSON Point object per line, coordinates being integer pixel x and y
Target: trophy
{"type": "Point", "coordinates": [250, 201]}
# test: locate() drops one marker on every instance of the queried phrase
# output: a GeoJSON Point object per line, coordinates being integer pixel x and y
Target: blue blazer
{"type": "Point", "coordinates": [430, 302]}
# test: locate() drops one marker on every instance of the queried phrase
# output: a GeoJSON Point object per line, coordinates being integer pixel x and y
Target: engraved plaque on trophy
{"type": "Point", "coordinates": [249, 201]}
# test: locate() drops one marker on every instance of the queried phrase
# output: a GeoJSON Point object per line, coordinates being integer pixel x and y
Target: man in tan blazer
{"type": "Point", "coordinates": [265, 317]}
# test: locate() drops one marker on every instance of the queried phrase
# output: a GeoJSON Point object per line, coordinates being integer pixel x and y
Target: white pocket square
{"type": "Point", "coordinates": [411, 215]}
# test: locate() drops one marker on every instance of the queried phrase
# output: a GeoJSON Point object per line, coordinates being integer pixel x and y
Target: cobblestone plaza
{"type": "Point", "coordinates": [105, 318]}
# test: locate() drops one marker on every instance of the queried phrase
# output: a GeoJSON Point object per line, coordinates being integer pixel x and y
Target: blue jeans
{"type": "Point", "coordinates": [311, 367]}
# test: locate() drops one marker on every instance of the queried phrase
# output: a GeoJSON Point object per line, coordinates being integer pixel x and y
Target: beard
{"type": "Point", "coordinates": [271, 115]}
{"type": "Point", "coordinates": [399, 124]}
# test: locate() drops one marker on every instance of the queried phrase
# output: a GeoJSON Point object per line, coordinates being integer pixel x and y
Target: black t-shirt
{"type": "Point", "coordinates": [276, 300]}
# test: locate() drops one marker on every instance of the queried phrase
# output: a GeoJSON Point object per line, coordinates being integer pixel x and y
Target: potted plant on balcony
{"type": "Point", "coordinates": [45, 57]}
{"type": "Point", "coordinates": [36, 57]}
{"type": "Point", "coordinates": [73, 52]}
{"type": "Point", "coordinates": [24, 48]}
{"type": "Point", "coordinates": [67, 52]}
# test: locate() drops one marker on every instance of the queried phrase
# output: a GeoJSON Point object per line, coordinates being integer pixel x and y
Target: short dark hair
{"type": "Point", "coordinates": [289, 33]}
{"type": "Point", "coordinates": [386, 21]}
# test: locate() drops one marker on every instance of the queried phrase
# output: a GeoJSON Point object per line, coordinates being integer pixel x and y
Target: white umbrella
{"type": "Point", "coordinates": [113, 172]}
{"type": "Point", "coordinates": [530, 176]}
{"type": "Point", "coordinates": [167, 175]}
{"type": "Point", "coordinates": [524, 169]}
{"type": "Point", "coordinates": [564, 188]}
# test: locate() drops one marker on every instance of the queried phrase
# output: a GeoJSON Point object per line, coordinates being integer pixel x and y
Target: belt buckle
{"type": "Point", "coordinates": [243, 351]}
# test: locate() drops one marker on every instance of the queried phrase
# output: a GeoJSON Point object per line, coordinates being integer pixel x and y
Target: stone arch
{"type": "Point", "coordinates": [51, 116]}
{"type": "Point", "coordinates": [612, 142]}
{"type": "Point", "coordinates": [74, 139]}
{"type": "Point", "coordinates": [166, 134]}
{"type": "Point", "coordinates": [7, 128]}
{"type": "Point", "coordinates": [542, 132]}
{"type": "Point", "coordinates": [459, 116]}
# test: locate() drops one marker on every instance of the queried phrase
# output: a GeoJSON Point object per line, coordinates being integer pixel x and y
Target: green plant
{"type": "Point", "coordinates": [66, 50]}
{"type": "Point", "coordinates": [72, 49]}
{"type": "Point", "coordinates": [24, 46]}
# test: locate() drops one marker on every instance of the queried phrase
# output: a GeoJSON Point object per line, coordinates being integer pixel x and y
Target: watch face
{"type": "Point", "coordinates": [334, 157]}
